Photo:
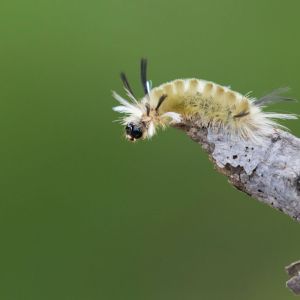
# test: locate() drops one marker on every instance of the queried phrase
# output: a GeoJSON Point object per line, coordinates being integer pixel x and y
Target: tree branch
{"type": "Point", "coordinates": [294, 272]}
{"type": "Point", "coordinates": [269, 172]}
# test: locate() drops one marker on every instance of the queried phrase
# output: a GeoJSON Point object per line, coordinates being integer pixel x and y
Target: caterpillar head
{"type": "Point", "coordinates": [142, 117]}
{"type": "Point", "coordinates": [134, 132]}
{"type": "Point", "coordinates": [141, 120]}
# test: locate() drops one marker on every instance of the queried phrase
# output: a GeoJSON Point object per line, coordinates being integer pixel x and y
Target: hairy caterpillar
{"type": "Point", "coordinates": [205, 103]}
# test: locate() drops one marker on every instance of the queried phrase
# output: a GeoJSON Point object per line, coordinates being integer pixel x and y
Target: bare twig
{"type": "Point", "coordinates": [269, 171]}
{"type": "Point", "coordinates": [294, 272]}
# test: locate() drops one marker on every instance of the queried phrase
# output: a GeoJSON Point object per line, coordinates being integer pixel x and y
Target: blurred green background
{"type": "Point", "coordinates": [85, 214]}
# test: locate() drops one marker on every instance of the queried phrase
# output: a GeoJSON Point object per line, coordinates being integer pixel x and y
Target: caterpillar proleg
{"type": "Point", "coordinates": [203, 102]}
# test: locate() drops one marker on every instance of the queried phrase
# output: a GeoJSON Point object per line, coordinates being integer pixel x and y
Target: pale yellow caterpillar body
{"type": "Point", "coordinates": [202, 102]}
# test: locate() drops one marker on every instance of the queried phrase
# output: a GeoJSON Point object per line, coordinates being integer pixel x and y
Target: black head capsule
{"type": "Point", "coordinates": [133, 132]}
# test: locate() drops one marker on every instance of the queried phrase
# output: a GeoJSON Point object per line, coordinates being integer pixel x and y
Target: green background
{"type": "Point", "coordinates": [85, 214]}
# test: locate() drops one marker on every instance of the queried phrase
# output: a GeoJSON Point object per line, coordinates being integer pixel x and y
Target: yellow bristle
{"type": "Point", "coordinates": [208, 89]}
{"type": "Point", "coordinates": [230, 98]}
{"type": "Point", "coordinates": [193, 85]}
{"type": "Point", "coordinates": [179, 86]}
{"type": "Point", "coordinates": [168, 89]}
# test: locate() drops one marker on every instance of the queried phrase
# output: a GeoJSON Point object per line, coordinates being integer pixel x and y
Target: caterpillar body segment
{"type": "Point", "coordinates": [204, 102]}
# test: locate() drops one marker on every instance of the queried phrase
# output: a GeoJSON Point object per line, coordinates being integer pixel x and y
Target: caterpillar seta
{"type": "Point", "coordinates": [202, 102]}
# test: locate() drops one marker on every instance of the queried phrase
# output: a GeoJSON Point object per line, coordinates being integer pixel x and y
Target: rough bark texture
{"type": "Point", "coordinates": [294, 272]}
{"type": "Point", "coordinates": [269, 172]}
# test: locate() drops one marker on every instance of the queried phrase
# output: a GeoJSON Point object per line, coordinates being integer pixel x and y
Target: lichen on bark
{"type": "Point", "coordinates": [268, 171]}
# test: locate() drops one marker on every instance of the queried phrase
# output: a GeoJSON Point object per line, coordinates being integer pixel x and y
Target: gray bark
{"type": "Point", "coordinates": [294, 272]}
{"type": "Point", "coordinates": [269, 171]}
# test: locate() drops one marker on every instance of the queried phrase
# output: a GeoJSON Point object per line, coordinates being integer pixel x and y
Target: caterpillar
{"type": "Point", "coordinates": [202, 102]}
